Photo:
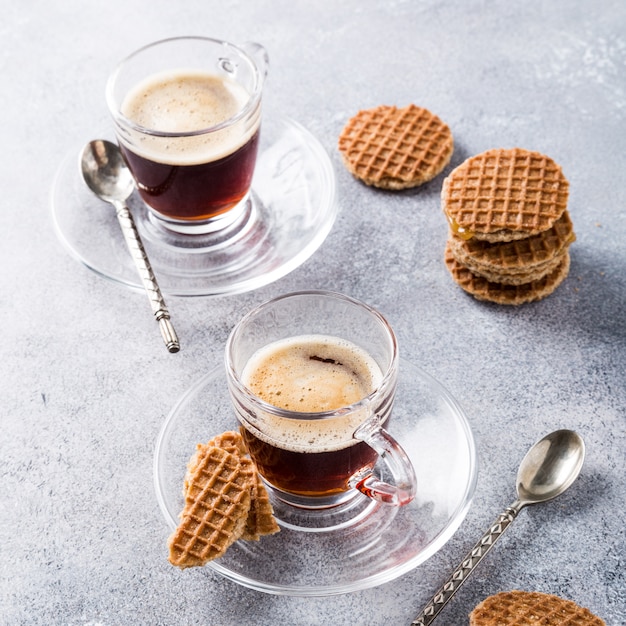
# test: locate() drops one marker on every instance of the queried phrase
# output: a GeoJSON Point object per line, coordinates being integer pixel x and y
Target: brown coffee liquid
{"type": "Point", "coordinates": [311, 374]}
{"type": "Point", "coordinates": [195, 192]}
{"type": "Point", "coordinates": [197, 176]}
{"type": "Point", "coordinates": [308, 474]}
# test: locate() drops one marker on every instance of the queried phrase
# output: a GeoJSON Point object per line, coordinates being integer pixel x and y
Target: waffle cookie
{"type": "Point", "coordinates": [260, 520]}
{"type": "Point", "coordinates": [219, 473]}
{"type": "Point", "coordinates": [230, 441]}
{"type": "Point", "coordinates": [519, 261]}
{"type": "Point", "coordinates": [217, 502]}
{"type": "Point", "coordinates": [526, 608]}
{"type": "Point", "coordinates": [394, 148]}
{"type": "Point", "coordinates": [502, 195]}
{"type": "Point", "coordinates": [500, 293]}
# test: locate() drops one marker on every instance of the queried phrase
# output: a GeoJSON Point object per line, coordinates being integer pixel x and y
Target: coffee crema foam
{"type": "Point", "coordinates": [311, 374]}
{"type": "Point", "coordinates": [187, 101]}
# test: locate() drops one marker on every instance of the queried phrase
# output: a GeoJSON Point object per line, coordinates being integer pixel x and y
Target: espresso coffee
{"type": "Point", "coordinates": [310, 374]}
{"type": "Point", "coordinates": [190, 175]}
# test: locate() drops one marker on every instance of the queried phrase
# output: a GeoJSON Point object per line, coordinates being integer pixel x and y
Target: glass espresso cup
{"type": "Point", "coordinates": [312, 377]}
{"type": "Point", "coordinates": [187, 114]}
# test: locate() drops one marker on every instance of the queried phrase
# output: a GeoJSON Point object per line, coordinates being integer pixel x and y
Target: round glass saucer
{"type": "Point", "coordinates": [290, 212]}
{"type": "Point", "coordinates": [369, 546]}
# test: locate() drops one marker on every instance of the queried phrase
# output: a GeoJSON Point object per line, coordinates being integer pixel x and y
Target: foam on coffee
{"type": "Point", "coordinates": [310, 374]}
{"type": "Point", "coordinates": [187, 101]}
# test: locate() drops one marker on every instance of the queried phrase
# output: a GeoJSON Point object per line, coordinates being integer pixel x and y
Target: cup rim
{"type": "Point", "coordinates": [388, 378]}
{"type": "Point", "coordinates": [120, 119]}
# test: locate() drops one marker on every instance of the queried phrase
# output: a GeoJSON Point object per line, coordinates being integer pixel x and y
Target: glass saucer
{"type": "Point", "coordinates": [365, 544]}
{"type": "Point", "coordinates": [291, 210]}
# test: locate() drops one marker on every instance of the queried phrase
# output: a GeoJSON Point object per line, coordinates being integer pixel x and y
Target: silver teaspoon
{"type": "Point", "coordinates": [106, 174]}
{"type": "Point", "coordinates": [546, 471]}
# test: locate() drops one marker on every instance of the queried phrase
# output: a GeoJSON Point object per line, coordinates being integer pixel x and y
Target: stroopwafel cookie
{"type": "Point", "coordinates": [395, 148]}
{"type": "Point", "coordinates": [260, 520]}
{"type": "Point", "coordinates": [528, 608]}
{"type": "Point", "coordinates": [231, 441]}
{"type": "Point", "coordinates": [502, 195]}
{"type": "Point", "coordinates": [519, 261]}
{"type": "Point", "coordinates": [501, 293]}
{"type": "Point", "coordinates": [217, 503]}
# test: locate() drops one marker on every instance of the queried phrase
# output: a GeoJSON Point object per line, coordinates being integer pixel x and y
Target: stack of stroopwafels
{"type": "Point", "coordinates": [510, 230]}
{"type": "Point", "coordinates": [225, 500]}
{"type": "Point", "coordinates": [530, 608]}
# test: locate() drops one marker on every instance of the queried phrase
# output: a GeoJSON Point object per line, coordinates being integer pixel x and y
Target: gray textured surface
{"type": "Point", "coordinates": [85, 383]}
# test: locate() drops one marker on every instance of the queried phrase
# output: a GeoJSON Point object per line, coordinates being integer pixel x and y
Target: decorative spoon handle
{"type": "Point", "coordinates": [135, 246]}
{"type": "Point", "coordinates": [466, 567]}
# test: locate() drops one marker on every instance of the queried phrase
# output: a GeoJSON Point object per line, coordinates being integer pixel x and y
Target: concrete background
{"type": "Point", "coordinates": [85, 383]}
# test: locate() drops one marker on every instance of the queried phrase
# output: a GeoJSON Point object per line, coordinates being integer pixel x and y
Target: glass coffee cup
{"type": "Point", "coordinates": [312, 377]}
{"type": "Point", "coordinates": [187, 116]}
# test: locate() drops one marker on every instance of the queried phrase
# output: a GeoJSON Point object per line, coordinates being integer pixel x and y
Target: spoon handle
{"type": "Point", "coordinates": [138, 253]}
{"type": "Point", "coordinates": [466, 567]}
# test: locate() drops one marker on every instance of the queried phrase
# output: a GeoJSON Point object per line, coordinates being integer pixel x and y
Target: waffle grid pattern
{"type": "Point", "coordinates": [525, 608]}
{"type": "Point", "coordinates": [515, 190]}
{"type": "Point", "coordinates": [217, 501]}
{"type": "Point", "coordinates": [396, 148]}
{"type": "Point", "coordinates": [230, 441]}
{"type": "Point", "coordinates": [225, 500]}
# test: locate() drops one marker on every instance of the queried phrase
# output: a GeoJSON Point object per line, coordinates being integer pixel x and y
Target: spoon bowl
{"type": "Point", "coordinates": [548, 469]}
{"type": "Point", "coordinates": [105, 171]}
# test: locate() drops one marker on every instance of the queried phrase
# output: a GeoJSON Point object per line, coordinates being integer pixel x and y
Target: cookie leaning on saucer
{"type": "Point", "coordinates": [504, 194]}
{"type": "Point", "coordinates": [528, 608]}
{"type": "Point", "coordinates": [231, 441]}
{"type": "Point", "coordinates": [260, 519]}
{"type": "Point", "coordinates": [217, 503]}
{"type": "Point", "coordinates": [394, 148]}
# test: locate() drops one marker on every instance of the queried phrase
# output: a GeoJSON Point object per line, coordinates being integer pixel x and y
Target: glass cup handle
{"type": "Point", "coordinates": [259, 54]}
{"type": "Point", "coordinates": [396, 460]}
